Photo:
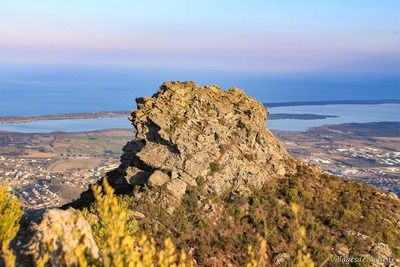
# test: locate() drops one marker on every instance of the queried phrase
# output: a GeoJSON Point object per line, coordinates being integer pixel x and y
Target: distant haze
{"type": "Point", "coordinates": [268, 36]}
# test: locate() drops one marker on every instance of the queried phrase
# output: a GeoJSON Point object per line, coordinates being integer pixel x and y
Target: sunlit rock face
{"type": "Point", "coordinates": [191, 132]}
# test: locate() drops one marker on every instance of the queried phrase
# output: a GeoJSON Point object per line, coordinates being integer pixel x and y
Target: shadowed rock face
{"type": "Point", "coordinates": [187, 132]}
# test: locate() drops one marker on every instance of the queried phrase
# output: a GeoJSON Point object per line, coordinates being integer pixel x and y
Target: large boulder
{"type": "Point", "coordinates": [190, 131]}
{"type": "Point", "coordinates": [58, 237]}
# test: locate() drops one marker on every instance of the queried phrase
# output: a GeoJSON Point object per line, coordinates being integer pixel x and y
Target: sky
{"type": "Point", "coordinates": [264, 36]}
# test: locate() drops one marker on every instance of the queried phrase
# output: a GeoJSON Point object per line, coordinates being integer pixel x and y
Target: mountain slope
{"type": "Point", "coordinates": [204, 170]}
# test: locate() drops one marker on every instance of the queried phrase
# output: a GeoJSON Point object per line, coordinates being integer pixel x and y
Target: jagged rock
{"type": "Point", "coordinates": [281, 258]}
{"type": "Point", "coordinates": [381, 250]}
{"type": "Point", "coordinates": [342, 250]}
{"type": "Point", "coordinates": [376, 250]}
{"type": "Point", "coordinates": [191, 131]}
{"type": "Point", "coordinates": [393, 196]}
{"type": "Point", "coordinates": [138, 215]}
{"type": "Point", "coordinates": [158, 178]}
{"type": "Point", "coordinates": [176, 188]}
{"type": "Point", "coordinates": [136, 176]}
{"type": "Point", "coordinates": [358, 235]}
{"type": "Point", "coordinates": [64, 231]}
{"type": "Point", "coordinates": [389, 195]}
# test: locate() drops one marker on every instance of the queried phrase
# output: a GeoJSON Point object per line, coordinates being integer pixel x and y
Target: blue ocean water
{"type": "Point", "coordinates": [27, 90]}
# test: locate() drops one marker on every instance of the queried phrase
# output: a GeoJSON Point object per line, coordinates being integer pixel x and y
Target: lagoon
{"type": "Point", "coordinates": [347, 113]}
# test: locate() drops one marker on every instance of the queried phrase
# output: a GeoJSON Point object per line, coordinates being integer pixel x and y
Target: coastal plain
{"type": "Point", "coordinates": [51, 169]}
{"type": "Point", "coordinates": [366, 152]}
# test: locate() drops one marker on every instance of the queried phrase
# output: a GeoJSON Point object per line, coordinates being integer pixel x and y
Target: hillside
{"type": "Point", "coordinates": [205, 171]}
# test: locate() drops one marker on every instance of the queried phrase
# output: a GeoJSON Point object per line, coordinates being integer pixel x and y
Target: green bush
{"type": "Point", "coordinates": [189, 199]}
{"type": "Point", "coordinates": [98, 224]}
{"type": "Point", "coordinates": [201, 181]}
{"type": "Point", "coordinates": [214, 166]}
{"type": "Point", "coordinates": [10, 214]}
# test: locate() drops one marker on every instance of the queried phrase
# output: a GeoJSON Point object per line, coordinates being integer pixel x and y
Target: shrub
{"type": "Point", "coordinates": [98, 224]}
{"type": "Point", "coordinates": [353, 211]}
{"type": "Point", "coordinates": [292, 195]}
{"type": "Point", "coordinates": [123, 249]}
{"type": "Point", "coordinates": [303, 258]}
{"type": "Point", "coordinates": [189, 199]}
{"type": "Point", "coordinates": [10, 214]}
{"type": "Point", "coordinates": [259, 257]}
{"type": "Point", "coordinates": [201, 181]}
{"type": "Point", "coordinates": [214, 166]}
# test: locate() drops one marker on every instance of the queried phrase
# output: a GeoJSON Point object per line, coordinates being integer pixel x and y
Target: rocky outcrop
{"type": "Point", "coordinates": [209, 151]}
{"type": "Point", "coordinates": [64, 233]}
{"type": "Point", "coordinates": [377, 251]}
{"type": "Point", "coordinates": [187, 132]}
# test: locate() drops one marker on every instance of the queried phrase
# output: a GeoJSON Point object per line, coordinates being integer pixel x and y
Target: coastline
{"type": "Point", "coordinates": [293, 116]}
{"type": "Point", "coordinates": [331, 102]}
{"type": "Point", "coordinates": [117, 114]}
{"type": "Point", "coordinates": [67, 116]}
{"type": "Point", "coordinates": [277, 116]}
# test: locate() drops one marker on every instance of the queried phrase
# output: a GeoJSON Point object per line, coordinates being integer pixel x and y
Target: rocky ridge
{"type": "Point", "coordinates": [189, 134]}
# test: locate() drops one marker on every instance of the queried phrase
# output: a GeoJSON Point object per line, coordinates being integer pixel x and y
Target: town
{"type": "Point", "coordinates": [40, 187]}
{"type": "Point", "coordinates": [49, 170]}
{"type": "Point", "coordinates": [53, 169]}
{"type": "Point", "coordinates": [383, 171]}
{"type": "Point", "coordinates": [368, 158]}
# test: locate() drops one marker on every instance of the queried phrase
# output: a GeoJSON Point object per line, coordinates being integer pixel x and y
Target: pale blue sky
{"type": "Point", "coordinates": [268, 36]}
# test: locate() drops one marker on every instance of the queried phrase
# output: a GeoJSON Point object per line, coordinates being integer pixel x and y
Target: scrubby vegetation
{"type": "Point", "coordinates": [99, 226]}
{"type": "Point", "coordinates": [120, 246]}
{"type": "Point", "coordinates": [299, 220]}
{"type": "Point", "coordinates": [219, 229]}
{"type": "Point", "coordinates": [10, 214]}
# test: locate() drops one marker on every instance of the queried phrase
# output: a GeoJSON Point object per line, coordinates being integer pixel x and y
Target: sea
{"type": "Point", "coordinates": [32, 90]}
